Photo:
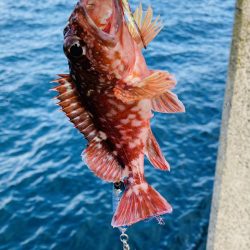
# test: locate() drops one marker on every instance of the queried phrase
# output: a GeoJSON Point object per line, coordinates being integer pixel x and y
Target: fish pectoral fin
{"type": "Point", "coordinates": [102, 162]}
{"type": "Point", "coordinates": [152, 86]}
{"type": "Point", "coordinates": [168, 102]}
{"type": "Point", "coordinates": [148, 27]}
{"type": "Point", "coordinates": [154, 153]}
{"type": "Point", "coordinates": [72, 106]}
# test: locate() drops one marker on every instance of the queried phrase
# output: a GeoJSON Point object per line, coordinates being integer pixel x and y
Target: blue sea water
{"type": "Point", "coordinates": [48, 197]}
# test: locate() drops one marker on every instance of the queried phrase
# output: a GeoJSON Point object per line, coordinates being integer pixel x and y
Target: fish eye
{"type": "Point", "coordinates": [76, 50]}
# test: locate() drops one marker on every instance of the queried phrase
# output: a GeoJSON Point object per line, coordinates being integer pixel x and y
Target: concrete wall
{"type": "Point", "coordinates": [229, 227]}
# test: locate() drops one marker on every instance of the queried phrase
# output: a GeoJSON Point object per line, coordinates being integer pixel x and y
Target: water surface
{"type": "Point", "coordinates": [48, 198]}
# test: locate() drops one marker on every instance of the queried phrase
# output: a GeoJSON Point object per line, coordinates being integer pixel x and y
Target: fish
{"type": "Point", "coordinates": [110, 95]}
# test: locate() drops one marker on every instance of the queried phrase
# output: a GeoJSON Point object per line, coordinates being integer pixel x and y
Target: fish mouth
{"type": "Point", "coordinates": [103, 18]}
{"type": "Point", "coordinates": [101, 12]}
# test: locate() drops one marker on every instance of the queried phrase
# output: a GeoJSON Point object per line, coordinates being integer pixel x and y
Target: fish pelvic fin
{"type": "Point", "coordinates": [102, 162]}
{"type": "Point", "coordinates": [139, 202]}
{"type": "Point", "coordinates": [148, 27]}
{"type": "Point", "coordinates": [154, 153]}
{"type": "Point", "coordinates": [152, 86]}
{"type": "Point", "coordinates": [168, 102]}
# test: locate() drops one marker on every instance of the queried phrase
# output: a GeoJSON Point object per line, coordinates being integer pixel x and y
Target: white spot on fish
{"type": "Point", "coordinates": [119, 126]}
{"type": "Point", "coordinates": [121, 107]}
{"type": "Point", "coordinates": [103, 135]}
{"type": "Point", "coordinates": [136, 108]}
{"type": "Point", "coordinates": [111, 113]}
{"type": "Point", "coordinates": [124, 121]}
{"type": "Point", "coordinates": [145, 109]}
{"type": "Point", "coordinates": [96, 139]}
{"type": "Point", "coordinates": [136, 123]}
{"type": "Point", "coordinates": [101, 80]}
{"type": "Point", "coordinates": [111, 101]}
{"type": "Point", "coordinates": [138, 164]}
{"type": "Point", "coordinates": [136, 80]}
{"type": "Point", "coordinates": [129, 192]}
{"type": "Point", "coordinates": [90, 92]}
{"type": "Point", "coordinates": [143, 187]}
{"type": "Point", "coordinates": [114, 174]}
{"type": "Point", "coordinates": [110, 158]}
{"type": "Point", "coordinates": [68, 86]}
{"type": "Point", "coordinates": [116, 63]}
{"type": "Point", "coordinates": [131, 116]}
{"type": "Point", "coordinates": [98, 146]}
{"type": "Point", "coordinates": [121, 67]}
{"type": "Point", "coordinates": [132, 145]}
{"type": "Point", "coordinates": [84, 50]}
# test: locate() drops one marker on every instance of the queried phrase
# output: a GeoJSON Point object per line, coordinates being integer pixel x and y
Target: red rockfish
{"type": "Point", "coordinates": [109, 96]}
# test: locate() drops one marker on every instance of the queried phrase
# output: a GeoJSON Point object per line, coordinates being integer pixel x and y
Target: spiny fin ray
{"type": "Point", "coordinates": [71, 105]}
{"type": "Point", "coordinates": [149, 29]}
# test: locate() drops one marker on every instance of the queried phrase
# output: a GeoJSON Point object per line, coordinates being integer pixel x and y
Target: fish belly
{"type": "Point", "coordinates": [125, 125]}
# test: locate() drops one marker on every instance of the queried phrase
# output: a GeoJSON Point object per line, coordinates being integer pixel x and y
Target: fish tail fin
{"type": "Point", "coordinates": [139, 202]}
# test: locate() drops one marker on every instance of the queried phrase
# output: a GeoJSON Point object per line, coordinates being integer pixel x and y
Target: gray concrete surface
{"type": "Point", "coordinates": [229, 227]}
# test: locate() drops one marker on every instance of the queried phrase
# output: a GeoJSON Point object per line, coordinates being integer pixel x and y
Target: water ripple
{"type": "Point", "coordinates": [49, 198]}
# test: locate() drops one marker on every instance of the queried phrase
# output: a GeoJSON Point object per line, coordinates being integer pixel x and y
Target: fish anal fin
{"type": "Point", "coordinates": [148, 27]}
{"type": "Point", "coordinates": [102, 162]}
{"type": "Point", "coordinates": [154, 85]}
{"type": "Point", "coordinates": [72, 106]}
{"type": "Point", "coordinates": [168, 102]}
{"type": "Point", "coordinates": [154, 153]}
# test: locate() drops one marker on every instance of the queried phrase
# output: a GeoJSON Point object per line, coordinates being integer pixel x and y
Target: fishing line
{"type": "Point", "coordinates": [118, 190]}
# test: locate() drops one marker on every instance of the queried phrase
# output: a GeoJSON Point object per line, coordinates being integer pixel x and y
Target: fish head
{"type": "Point", "coordinates": [97, 38]}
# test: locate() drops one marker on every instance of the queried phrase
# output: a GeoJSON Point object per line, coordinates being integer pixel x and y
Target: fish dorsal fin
{"type": "Point", "coordinates": [148, 27]}
{"type": "Point", "coordinates": [72, 106]}
{"type": "Point", "coordinates": [98, 157]}
{"type": "Point", "coordinates": [168, 102]}
{"type": "Point", "coordinates": [154, 85]}
{"type": "Point", "coordinates": [154, 153]}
